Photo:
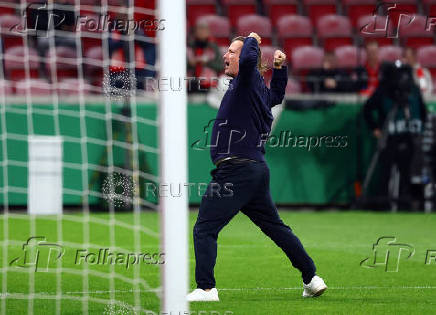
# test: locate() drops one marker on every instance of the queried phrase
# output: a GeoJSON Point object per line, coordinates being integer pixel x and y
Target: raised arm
{"type": "Point", "coordinates": [249, 55]}
{"type": "Point", "coordinates": [279, 79]}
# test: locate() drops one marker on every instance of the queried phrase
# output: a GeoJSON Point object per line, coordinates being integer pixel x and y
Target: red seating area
{"type": "Point", "coordinates": [26, 70]}
{"type": "Point", "coordinates": [304, 29]}
{"type": "Point", "coordinates": [308, 28]}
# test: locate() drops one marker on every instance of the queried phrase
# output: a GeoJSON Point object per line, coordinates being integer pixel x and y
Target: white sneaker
{"type": "Point", "coordinates": [315, 288]}
{"type": "Point", "coordinates": [199, 295]}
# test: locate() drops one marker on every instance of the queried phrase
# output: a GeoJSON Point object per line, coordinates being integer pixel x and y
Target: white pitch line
{"type": "Point", "coordinates": [332, 288]}
{"type": "Point", "coordinates": [267, 289]}
{"type": "Point", "coordinates": [5, 295]}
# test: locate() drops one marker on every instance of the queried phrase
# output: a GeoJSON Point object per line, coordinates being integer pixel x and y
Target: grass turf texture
{"type": "Point", "coordinates": [254, 275]}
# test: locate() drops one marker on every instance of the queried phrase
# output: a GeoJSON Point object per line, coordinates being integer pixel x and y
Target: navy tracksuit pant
{"type": "Point", "coordinates": [249, 185]}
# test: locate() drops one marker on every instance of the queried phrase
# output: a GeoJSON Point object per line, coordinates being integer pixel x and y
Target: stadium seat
{"type": "Point", "coordinates": [66, 62]}
{"type": "Point", "coordinates": [219, 27]}
{"type": "Point", "coordinates": [427, 58]}
{"type": "Point", "coordinates": [404, 6]}
{"type": "Point", "coordinates": [267, 60]}
{"type": "Point", "coordinates": [318, 8]}
{"type": "Point", "coordinates": [355, 9]}
{"type": "Point", "coordinates": [16, 62]}
{"type": "Point", "coordinates": [334, 31]}
{"type": "Point", "coordinates": [197, 8]}
{"type": "Point", "coordinates": [429, 7]}
{"type": "Point", "coordinates": [89, 7]}
{"type": "Point", "coordinates": [88, 2]}
{"type": "Point", "coordinates": [434, 84]}
{"type": "Point", "coordinates": [90, 34]}
{"type": "Point", "coordinates": [293, 86]}
{"type": "Point", "coordinates": [350, 56]}
{"type": "Point", "coordinates": [238, 8]}
{"type": "Point", "coordinates": [304, 59]}
{"type": "Point", "coordinates": [294, 31]}
{"type": "Point", "coordinates": [11, 28]}
{"type": "Point", "coordinates": [114, 2]}
{"type": "Point", "coordinates": [372, 28]}
{"type": "Point", "coordinates": [94, 65]}
{"type": "Point", "coordinates": [95, 56]}
{"type": "Point", "coordinates": [390, 53]}
{"type": "Point", "coordinates": [268, 55]}
{"type": "Point", "coordinates": [140, 15]}
{"type": "Point", "coordinates": [5, 87]}
{"type": "Point", "coordinates": [399, 9]}
{"type": "Point", "coordinates": [36, 87]}
{"type": "Point", "coordinates": [416, 33]}
{"type": "Point", "coordinates": [72, 87]}
{"type": "Point", "coordinates": [255, 23]}
{"type": "Point", "coordinates": [307, 57]}
{"type": "Point", "coordinates": [8, 7]}
{"type": "Point", "coordinates": [278, 8]}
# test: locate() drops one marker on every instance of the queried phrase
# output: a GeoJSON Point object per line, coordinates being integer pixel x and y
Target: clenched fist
{"type": "Point", "coordinates": [255, 35]}
{"type": "Point", "coordinates": [279, 59]}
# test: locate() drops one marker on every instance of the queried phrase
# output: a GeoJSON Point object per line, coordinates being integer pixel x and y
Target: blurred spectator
{"type": "Point", "coordinates": [371, 67]}
{"type": "Point", "coordinates": [422, 76]}
{"type": "Point", "coordinates": [204, 59]}
{"type": "Point", "coordinates": [395, 113]}
{"type": "Point", "coordinates": [119, 49]}
{"type": "Point", "coordinates": [329, 79]}
{"type": "Point", "coordinates": [62, 18]}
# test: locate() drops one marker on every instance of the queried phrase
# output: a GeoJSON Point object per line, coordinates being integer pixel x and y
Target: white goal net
{"type": "Point", "coordinates": [81, 153]}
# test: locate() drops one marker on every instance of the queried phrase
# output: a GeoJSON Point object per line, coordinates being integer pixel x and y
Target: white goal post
{"type": "Point", "coordinates": [173, 161]}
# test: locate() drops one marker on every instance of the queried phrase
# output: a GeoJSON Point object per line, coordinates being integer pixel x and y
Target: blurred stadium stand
{"type": "Point", "coordinates": [334, 31]}
{"type": "Point", "coordinates": [304, 29]}
{"type": "Point", "coordinates": [255, 23]}
{"type": "Point", "coordinates": [350, 56]}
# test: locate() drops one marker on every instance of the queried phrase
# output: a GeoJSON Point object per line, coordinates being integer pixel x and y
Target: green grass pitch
{"type": "Point", "coordinates": [253, 275]}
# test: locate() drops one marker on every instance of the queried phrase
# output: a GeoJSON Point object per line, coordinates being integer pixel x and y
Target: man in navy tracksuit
{"type": "Point", "coordinates": [243, 120]}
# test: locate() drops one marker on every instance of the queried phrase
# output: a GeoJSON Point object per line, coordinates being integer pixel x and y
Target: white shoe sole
{"type": "Point", "coordinates": [204, 300]}
{"type": "Point", "coordinates": [319, 292]}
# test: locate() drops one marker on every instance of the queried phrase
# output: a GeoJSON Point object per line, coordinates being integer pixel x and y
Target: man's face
{"type": "Point", "coordinates": [329, 61]}
{"type": "Point", "coordinates": [231, 59]}
{"type": "Point", "coordinates": [409, 57]}
{"type": "Point", "coordinates": [202, 32]}
{"type": "Point", "coordinates": [372, 52]}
